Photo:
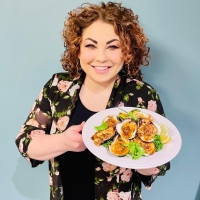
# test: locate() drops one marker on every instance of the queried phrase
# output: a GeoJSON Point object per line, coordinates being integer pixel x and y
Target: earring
{"type": "Point", "coordinates": [77, 66]}
{"type": "Point", "coordinates": [128, 69]}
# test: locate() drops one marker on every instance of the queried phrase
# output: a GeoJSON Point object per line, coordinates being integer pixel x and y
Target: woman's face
{"type": "Point", "coordinates": [100, 52]}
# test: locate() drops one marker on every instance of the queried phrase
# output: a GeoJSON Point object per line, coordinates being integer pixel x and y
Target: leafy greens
{"type": "Point", "coordinates": [102, 127]}
{"type": "Point", "coordinates": [131, 115]}
{"type": "Point", "coordinates": [158, 142]}
{"type": "Point", "coordinates": [136, 151]}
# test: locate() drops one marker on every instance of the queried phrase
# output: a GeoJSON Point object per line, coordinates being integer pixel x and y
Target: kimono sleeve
{"type": "Point", "coordinates": [148, 98]}
{"type": "Point", "coordinates": [38, 121]}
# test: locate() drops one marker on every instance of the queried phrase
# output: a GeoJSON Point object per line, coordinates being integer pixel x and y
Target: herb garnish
{"type": "Point", "coordinates": [130, 114]}
{"type": "Point", "coordinates": [136, 151]}
{"type": "Point", "coordinates": [158, 142]}
{"type": "Point", "coordinates": [107, 143]}
{"type": "Point", "coordinates": [102, 127]}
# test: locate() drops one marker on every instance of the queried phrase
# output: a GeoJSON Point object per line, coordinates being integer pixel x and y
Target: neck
{"type": "Point", "coordinates": [98, 87]}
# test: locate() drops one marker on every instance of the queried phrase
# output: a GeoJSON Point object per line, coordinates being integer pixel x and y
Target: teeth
{"type": "Point", "coordinates": [101, 68]}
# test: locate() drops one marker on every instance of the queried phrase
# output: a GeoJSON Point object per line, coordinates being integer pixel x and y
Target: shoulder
{"type": "Point", "coordinates": [139, 86]}
{"type": "Point", "coordinates": [142, 95]}
{"type": "Point", "coordinates": [59, 78]}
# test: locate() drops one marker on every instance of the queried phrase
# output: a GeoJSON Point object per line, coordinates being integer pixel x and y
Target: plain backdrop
{"type": "Point", "coordinates": [30, 50]}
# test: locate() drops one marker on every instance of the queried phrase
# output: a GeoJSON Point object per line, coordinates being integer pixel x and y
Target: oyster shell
{"type": "Point", "coordinates": [101, 136]}
{"type": "Point", "coordinates": [111, 120]}
{"type": "Point", "coordinates": [149, 147]}
{"type": "Point", "coordinates": [141, 115]}
{"type": "Point", "coordinates": [119, 146]}
{"type": "Point", "coordinates": [127, 129]}
{"type": "Point", "coordinates": [147, 130]}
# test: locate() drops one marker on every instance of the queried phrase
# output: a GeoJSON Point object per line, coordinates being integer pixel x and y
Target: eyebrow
{"type": "Point", "coordinates": [110, 41]}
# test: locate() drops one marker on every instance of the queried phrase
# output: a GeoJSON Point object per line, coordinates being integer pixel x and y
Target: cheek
{"type": "Point", "coordinates": [86, 56]}
{"type": "Point", "coordinates": [116, 57]}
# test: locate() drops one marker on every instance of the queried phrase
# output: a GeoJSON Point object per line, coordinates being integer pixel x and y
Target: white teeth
{"type": "Point", "coordinates": [101, 68]}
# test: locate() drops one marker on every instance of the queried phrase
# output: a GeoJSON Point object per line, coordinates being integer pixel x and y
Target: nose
{"type": "Point", "coordinates": [101, 55]}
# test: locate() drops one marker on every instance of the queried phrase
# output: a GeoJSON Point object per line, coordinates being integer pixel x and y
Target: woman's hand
{"type": "Point", "coordinates": [72, 139]}
{"type": "Point", "coordinates": [148, 172]}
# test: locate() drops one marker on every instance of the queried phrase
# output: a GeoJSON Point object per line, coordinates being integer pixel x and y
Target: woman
{"type": "Point", "coordinates": [105, 47]}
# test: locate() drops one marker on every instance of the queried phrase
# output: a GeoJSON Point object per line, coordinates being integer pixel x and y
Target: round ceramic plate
{"type": "Point", "coordinates": [169, 151]}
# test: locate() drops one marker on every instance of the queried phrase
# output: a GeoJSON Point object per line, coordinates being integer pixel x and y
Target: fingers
{"type": "Point", "coordinates": [77, 128]}
{"type": "Point", "coordinates": [74, 140]}
{"type": "Point", "coordinates": [149, 171]}
{"type": "Point", "coordinates": [156, 171]}
{"type": "Point", "coordinates": [77, 137]}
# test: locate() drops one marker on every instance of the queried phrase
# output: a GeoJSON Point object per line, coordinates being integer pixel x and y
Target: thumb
{"type": "Point", "coordinates": [78, 127]}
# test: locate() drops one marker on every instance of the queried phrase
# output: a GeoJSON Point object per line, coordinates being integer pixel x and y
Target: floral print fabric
{"type": "Point", "coordinates": [51, 113]}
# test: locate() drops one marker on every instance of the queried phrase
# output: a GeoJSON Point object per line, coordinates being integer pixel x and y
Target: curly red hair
{"type": "Point", "coordinates": [126, 25]}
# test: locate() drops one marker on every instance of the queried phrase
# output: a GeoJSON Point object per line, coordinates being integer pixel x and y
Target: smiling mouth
{"type": "Point", "coordinates": [101, 68]}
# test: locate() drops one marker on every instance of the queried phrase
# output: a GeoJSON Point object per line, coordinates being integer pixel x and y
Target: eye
{"type": "Point", "coordinates": [90, 46]}
{"type": "Point", "coordinates": [112, 47]}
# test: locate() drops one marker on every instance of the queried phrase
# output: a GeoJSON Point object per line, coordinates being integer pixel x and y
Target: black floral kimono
{"type": "Point", "coordinates": [51, 113]}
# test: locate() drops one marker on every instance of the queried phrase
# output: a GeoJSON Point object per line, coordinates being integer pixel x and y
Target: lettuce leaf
{"type": "Point", "coordinates": [136, 151]}
{"type": "Point", "coordinates": [102, 127]}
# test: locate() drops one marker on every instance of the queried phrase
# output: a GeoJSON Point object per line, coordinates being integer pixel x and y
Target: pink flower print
{"type": "Point", "coordinates": [121, 104]}
{"type": "Point", "coordinates": [52, 162]}
{"type": "Point", "coordinates": [32, 122]}
{"type": "Point", "coordinates": [55, 81]}
{"type": "Point", "coordinates": [73, 89]}
{"type": "Point", "coordinates": [62, 123]}
{"type": "Point", "coordinates": [118, 79]}
{"type": "Point", "coordinates": [108, 167]}
{"type": "Point", "coordinates": [152, 105]}
{"type": "Point", "coordinates": [126, 175]}
{"type": "Point", "coordinates": [37, 111]}
{"type": "Point", "coordinates": [63, 86]}
{"type": "Point", "coordinates": [50, 181]}
{"type": "Point", "coordinates": [122, 169]}
{"type": "Point", "coordinates": [35, 133]}
{"type": "Point", "coordinates": [140, 101]}
{"type": "Point", "coordinates": [33, 107]}
{"type": "Point", "coordinates": [112, 196]}
{"type": "Point", "coordinates": [40, 95]}
{"type": "Point", "coordinates": [125, 195]}
{"type": "Point", "coordinates": [109, 178]}
{"type": "Point", "coordinates": [148, 187]}
{"type": "Point", "coordinates": [98, 169]}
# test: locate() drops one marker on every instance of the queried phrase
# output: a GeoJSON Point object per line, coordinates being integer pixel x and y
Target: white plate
{"type": "Point", "coordinates": [169, 151]}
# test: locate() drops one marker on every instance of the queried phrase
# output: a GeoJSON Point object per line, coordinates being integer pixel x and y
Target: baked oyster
{"type": "Point", "coordinates": [101, 136]}
{"type": "Point", "coordinates": [111, 120]}
{"type": "Point", "coordinates": [127, 129]}
{"type": "Point", "coordinates": [149, 147]}
{"type": "Point", "coordinates": [119, 146]}
{"type": "Point", "coordinates": [147, 130]}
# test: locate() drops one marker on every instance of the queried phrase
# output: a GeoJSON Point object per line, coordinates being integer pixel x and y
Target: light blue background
{"type": "Point", "coordinates": [30, 50]}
